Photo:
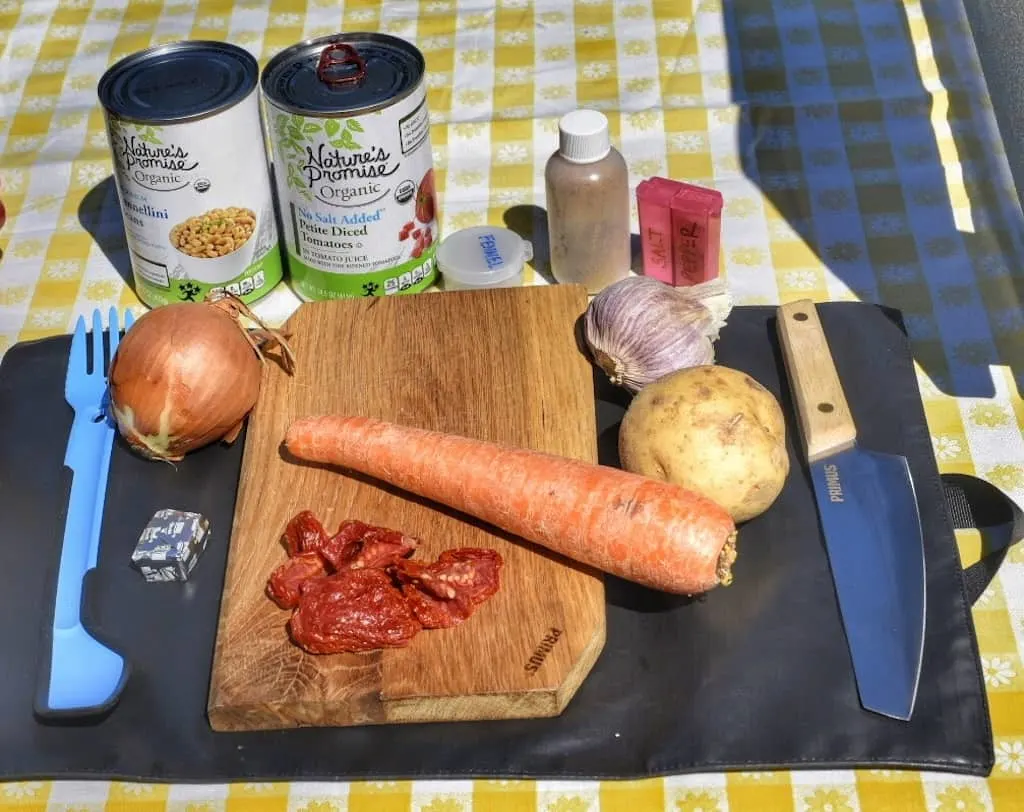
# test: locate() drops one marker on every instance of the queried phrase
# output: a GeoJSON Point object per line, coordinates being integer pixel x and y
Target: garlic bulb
{"type": "Point", "coordinates": [639, 330]}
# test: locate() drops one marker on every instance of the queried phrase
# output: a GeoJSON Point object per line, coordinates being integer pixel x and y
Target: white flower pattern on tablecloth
{"type": "Point", "coordinates": [38, 103]}
{"type": "Point", "coordinates": [999, 671]}
{"type": "Point", "coordinates": [22, 789]}
{"type": "Point", "coordinates": [512, 197]}
{"type": "Point", "coordinates": [471, 97]}
{"type": "Point", "coordinates": [596, 70]}
{"type": "Point", "coordinates": [800, 280]}
{"type": "Point", "coordinates": [513, 76]}
{"type": "Point", "coordinates": [11, 180]}
{"type": "Point", "coordinates": [70, 222]}
{"type": "Point", "coordinates": [47, 317]}
{"type": "Point", "coordinates": [91, 174]}
{"type": "Point", "coordinates": [512, 153]}
{"type": "Point", "coordinates": [780, 231]}
{"type": "Point", "coordinates": [946, 447]}
{"type": "Point", "coordinates": [514, 37]}
{"type": "Point", "coordinates": [636, 47]}
{"type": "Point", "coordinates": [920, 327]}
{"type": "Point", "coordinates": [25, 143]}
{"type": "Point", "coordinates": [1010, 757]}
{"type": "Point", "coordinates": [137, 789]}
{"type": "Point", "coordinates": [673, 27]}
{"type": "Point", "coordinates": [688, 142]}
{"type": "Point", "coordinates": [680, 64]}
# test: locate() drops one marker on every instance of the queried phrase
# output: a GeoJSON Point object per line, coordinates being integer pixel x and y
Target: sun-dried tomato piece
{"type": "Point", "coordinates": [362, 546]}
{"type": "Point", "coordinates": [304, 534]}
{"type": "Point", "coordinates": [354, 610]}
{"type": "Point", "coordinates": [341, 546]}
{"type": "Point", "coordinates": [434, 613]}
{"type": "Point", "coordinates": [379, 548]}
{"type": "Point", "coordinates": [285, 582]}
{"type": "Point", "coordinates": [446, 592]}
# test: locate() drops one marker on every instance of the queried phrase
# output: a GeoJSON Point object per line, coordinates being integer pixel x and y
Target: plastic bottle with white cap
{"type": "Point", "coordinates": [588, 204]}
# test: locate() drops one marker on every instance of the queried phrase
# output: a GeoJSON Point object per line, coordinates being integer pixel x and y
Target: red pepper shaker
{"type": "Point", "coordinates": [696, 234]}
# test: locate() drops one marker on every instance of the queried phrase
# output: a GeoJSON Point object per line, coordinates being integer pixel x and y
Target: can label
{"type": "Point", "coordinates": [197, 206]}
{"type": "Point", "coordinates": [357, 200]}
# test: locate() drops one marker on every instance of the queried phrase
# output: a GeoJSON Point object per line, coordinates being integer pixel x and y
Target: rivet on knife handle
{"type": "Point", "coordinates": [825, 420]}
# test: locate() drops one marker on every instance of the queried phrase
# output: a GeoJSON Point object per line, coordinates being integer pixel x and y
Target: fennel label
{"type": "Point", "coordinates": [356, 194]}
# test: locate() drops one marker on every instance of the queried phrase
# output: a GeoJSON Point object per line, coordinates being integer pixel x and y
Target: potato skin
{"type": "Point", "coordinates": [713, 430]}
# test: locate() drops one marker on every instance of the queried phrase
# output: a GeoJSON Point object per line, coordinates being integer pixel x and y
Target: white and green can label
{"type": "Point", "coordinates": [357, 200]}
{"type": "Point", "coordinates": [197, 205]}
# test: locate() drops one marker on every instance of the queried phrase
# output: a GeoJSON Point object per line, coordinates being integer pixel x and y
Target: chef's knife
{"type": "Point", "coordinates": [871, 524]}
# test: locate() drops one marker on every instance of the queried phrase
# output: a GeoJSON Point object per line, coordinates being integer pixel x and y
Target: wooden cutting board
{"type": "Point", "coordinates": [500, 365]}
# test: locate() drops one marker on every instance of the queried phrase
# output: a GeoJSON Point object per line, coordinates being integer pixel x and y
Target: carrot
{"type": "Point", "coordinates": [640, 529]}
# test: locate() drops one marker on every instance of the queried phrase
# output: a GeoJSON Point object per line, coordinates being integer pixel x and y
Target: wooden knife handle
{"type": "Point", "coordinates": [825, 419]}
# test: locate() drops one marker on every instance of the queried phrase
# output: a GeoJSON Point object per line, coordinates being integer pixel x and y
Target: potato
{"type": "Point", "coordinates": [713, 430]}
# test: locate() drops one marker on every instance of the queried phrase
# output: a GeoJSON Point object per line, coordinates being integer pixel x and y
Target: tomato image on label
{"type": "Point", "coordinates": [425, 204]}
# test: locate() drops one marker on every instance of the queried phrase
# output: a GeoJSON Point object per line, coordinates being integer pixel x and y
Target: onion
{"type": "Point", "coordinates": [187, 375]}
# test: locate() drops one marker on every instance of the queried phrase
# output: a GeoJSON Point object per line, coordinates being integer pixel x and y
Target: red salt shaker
{"type": "Point", "coordinates": [653, 203]}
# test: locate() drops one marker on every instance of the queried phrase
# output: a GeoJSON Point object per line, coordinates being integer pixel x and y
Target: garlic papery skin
{"type": "Point", "coordinates": [639, 330]}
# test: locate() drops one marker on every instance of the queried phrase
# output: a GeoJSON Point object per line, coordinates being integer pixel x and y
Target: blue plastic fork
{"type": "Point", "coordinates": [83, 676]}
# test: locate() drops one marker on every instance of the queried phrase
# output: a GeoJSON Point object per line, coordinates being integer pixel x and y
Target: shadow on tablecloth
{"type": "Point", "coordinates": [100, 215]}
{"type": "Point", "coordinates": [852, 132]}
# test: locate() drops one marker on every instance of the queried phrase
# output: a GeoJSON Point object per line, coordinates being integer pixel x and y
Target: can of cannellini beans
{"type": "Point", "coordinates": [350, 140]}
{"type": "Point", "coordinates": [191, 169]}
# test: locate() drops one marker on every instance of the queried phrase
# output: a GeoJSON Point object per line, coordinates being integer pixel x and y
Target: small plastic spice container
{"type": "Point", "coordinates": [483, 257]}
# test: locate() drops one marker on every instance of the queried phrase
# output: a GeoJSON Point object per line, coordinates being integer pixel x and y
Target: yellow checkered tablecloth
{"type": "Point", "coordinates": [855, 146]}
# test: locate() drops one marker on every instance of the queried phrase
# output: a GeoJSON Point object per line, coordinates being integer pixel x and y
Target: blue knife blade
{"type": "Point", "coordinates": [870, 520]}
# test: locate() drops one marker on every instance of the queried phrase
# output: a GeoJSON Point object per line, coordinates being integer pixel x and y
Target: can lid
{"type": "Point", "coordinates": [343, 74]}
{"type": "Point", "coordinates": [480, 256]}
{"type": "Point", "coordinates": [583, 136]}
{"type": "Point", "coordinates": [179, 81]}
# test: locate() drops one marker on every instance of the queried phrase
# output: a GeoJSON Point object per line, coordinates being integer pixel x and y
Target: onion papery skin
{"type": "Point", "coordinates": [183, 376]}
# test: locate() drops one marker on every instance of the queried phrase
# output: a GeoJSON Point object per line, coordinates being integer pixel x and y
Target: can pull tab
{"type": "Point", "coordinates": [334, 58]}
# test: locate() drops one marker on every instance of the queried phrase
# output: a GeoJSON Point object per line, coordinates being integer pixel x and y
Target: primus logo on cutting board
{"type": "Point", "coordinates": [540, 654]}
{"type": "Point", "coordinates": [833, 483]}
{"type": "Point", "coordinates": [150, 161]}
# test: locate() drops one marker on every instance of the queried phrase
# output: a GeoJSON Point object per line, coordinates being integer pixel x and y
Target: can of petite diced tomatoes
{"type": "Point", "coordinates": [350, 141]}
{"type": "Point", "coordinates": [191, 169]}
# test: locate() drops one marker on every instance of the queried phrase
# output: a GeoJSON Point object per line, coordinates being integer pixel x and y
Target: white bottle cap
{"type": "Point", "coordinates": [583, 136]}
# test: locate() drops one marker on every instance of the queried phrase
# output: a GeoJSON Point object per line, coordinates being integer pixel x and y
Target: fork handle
{"type": "Point", "coordinates": [80, 675]}
{"type": "Point", "coordinates": [88, 457]}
